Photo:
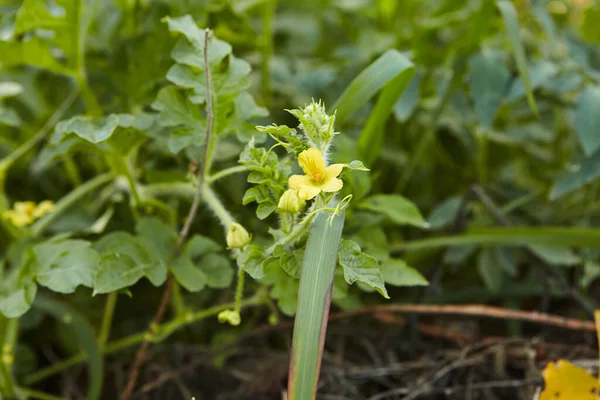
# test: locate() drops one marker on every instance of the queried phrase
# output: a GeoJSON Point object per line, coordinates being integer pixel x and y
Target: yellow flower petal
{"type": "Point", "coordinates": [333, 171]}
{"type": "Point", "coordinates": [18, 219]}
{"type": "Point", "coordinates": [308, 192]}
{"type": "Point", "coordinates": [25, 207]}
{"type": "Point", "coordinates": [43, 208]}
{"type": "Point", "coordinates": [332, 185]}
{"type": "Point", "coordinates": [306, 188]}
{"type": "Point", "coordinates": [312, 163]}
{"type": "Point", "coordinates": [297, 181]}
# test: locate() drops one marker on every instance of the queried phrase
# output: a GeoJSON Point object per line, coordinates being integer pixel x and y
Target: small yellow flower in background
{"type": "Point", "coordinates": [25, 212]}
{"type": "Point", "coordinates": [290, 202]}
{"type": "Point", "coordinates": [43, 208]}
{"type": "Point", "coordinates": [318, 178]}
{"type": "Point", "coordinates": [237, 236]}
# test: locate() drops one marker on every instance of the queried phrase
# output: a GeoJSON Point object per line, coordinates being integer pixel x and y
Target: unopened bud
{"type": "Point", "coordinates": [237, 236]}
{"type": "Point", "coordinates": [230, 316]}
{"type": "Point", "coordinates": [290, 202]}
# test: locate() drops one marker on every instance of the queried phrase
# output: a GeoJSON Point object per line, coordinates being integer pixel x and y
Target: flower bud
{"type": "Point", "coordinates": [231, 316]}
{"type": "Point", "coordinates": [290, 202]}
{"type": "Point", "coordinates": [237, 236]}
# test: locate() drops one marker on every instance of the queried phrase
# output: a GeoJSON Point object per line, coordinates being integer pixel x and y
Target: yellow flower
{"type": "Point", "coordinates": [318, 178]}
{"type": "Point", "coordinates": [25, 212]}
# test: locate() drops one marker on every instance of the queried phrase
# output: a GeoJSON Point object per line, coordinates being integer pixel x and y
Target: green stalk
{"type": "Point", "coordinates": [163, 331]}
{"type": "Point", "coordinates": [226, 172]}
{"type": "Point", "coordinates": [8, 336]}
{"type": "Point", "coordinates": [40, 226]}
{"type": "Point", "coordinates": [216, 206]}
{"type": "Point", "coordinates": [107, 318]}
{"type": "Point", "coordinates": [314, 299]}
{"type": "Point", "coordinates": [34, 394]}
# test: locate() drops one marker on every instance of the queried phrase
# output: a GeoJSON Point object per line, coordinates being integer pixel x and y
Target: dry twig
{"type": "Point", "coordinates": [166, 297]}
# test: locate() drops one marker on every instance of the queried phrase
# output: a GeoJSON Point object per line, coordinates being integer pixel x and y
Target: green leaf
{"type": "Point", "coordinates": [69, 32]}
{"type": "Point", "coordinates": [587, 119]}
{"type": "Point", "coordinates": [391, 72]}
{"type": "Point", "coordinates": [199, 245]}
{"type": "Point", "coordinates": [193, 56]}
{"type": "Point", "coordinates": [556, 255]}
{"type": "Point", "coordinates": [361, 267]}
{"type": "Point", "coordinates": [542, 73]}
{"type": "Point", "coordinates": [64, 265]}
{"type": "Point", "coordinates": [125, 260]}
{"type": "Point", "coordinates": [284, 288]}
{"type": "Point", "coordinates": [444, 213]}
{"type": "Point", "coordinates": [396, 272]}
{"type": "Point", "coordinates": [407, 103]}
{"type": "Point", "coordinates": [548, 236]}
{"type": "Point", "coordinates": [488, 79]}
{"type": "Point", "coordinates": [314, 299]}
{"type": "Point", "coordinates": [590, 28]}
{"type": "Point", "coordinates": [586, 172]}
{"type": "Point", "coordinates": [199, 265]}
{"type": "Point", "coordinates": [511, 23]}
{"type": "Point", "coordinates": [490, 270]}
{"type": "Point", "coordinates": [17, 294]}
{"type": "Point", "coordinates": [96, 131]}
{"type": "Point", "coordinates": [386, 68]}
{"type": "Point", "coordinates": [188, 275]}
{"type": "Point", "coordinates": [251, 260]}
{"type": "Point", "coordinates": [159, 236]}
{"type": "Point", "coordinates": [356, 166]}
{"type": "Point", "coordinates": [397, 208]}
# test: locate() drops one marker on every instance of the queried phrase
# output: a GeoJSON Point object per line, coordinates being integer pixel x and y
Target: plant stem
{"type": "Point", "coordinates": [162, 332]}
{"type": "Point", "coordinates": [295, 234]}
{"type": "Point", "coordinates": [63, 204]}
{"type": "Point", "coordinates": [178, 303]}
{"type": "Point", "coordinates": [71, 169]}
{"type": "Point", "coordinates": [240, 289]}
{"type": "Point", "coordinates": [267, 49]}
{"type": "Point", "coordinates": [217, 207]}
{"type": "Point", "coordinates": [9, 328]}
{"type": "Point", "coordinates": [109, 311]}
{"type": "Point", "coordinates": [34, 394]}
{"type": "Point", "coordinates": [180, 189]}
{"type": "Point", "coordinates": [125, 169]}
{"type": "Point", "coordinates": [204, 167]}
{"type": "Point", "coordinates": [226, 172]}
{"type": "Point", "coordinates": [86, 92]}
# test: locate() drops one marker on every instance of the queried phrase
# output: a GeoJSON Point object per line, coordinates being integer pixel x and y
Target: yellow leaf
{"type": "Point", "coordinates": [565, 381]}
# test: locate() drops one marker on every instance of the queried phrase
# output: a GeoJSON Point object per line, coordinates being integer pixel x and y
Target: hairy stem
{"type": "Point", "coordinates": [226, 172]}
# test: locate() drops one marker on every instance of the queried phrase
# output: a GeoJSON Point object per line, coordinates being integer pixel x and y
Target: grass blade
{"type": "Point", "coordinates": [546, 236]}
{"type": "Point", "coordinates": [83, 333]}
{"type": "Point", "coordinates": [370, 141]}
{"type": "Point", "coordinates": [314, 298]}
{"type": "Point", "coordinates": [386, 72]}
{"type": "Point", "coordinates": [511, 22]}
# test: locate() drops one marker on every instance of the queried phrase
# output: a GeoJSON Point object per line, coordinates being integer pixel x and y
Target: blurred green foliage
{"type": "Point", "coordinates": [485, 114]}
